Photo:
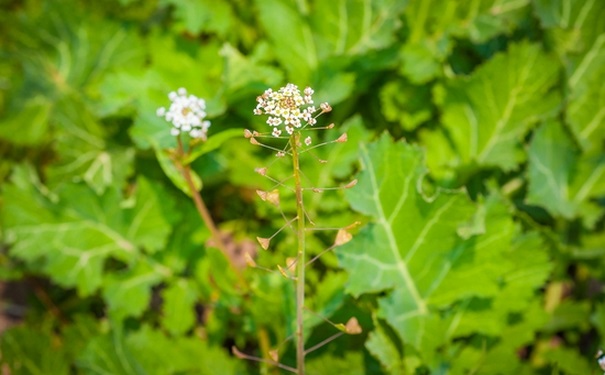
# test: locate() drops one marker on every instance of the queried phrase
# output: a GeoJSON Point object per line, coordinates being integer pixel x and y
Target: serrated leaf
{"type": "Point", "coordinates": [561, 180]}
{"type": "Point", "coordinates": [434, 25]}
{"type": "Point", "coordinates": [487, 113]}
{"type": "Point", "coordinates": [577, 32]}
{"type": "Point", "coordinates": [178, 311]}
{"type": "Point", "coordinates": [27, 350]}
{"type": "Point", "coordinates": [72, 237]}
{"type": "Point", "coordinates": [408, 245]}
{"type": "Point", "coordinates": [207, 16]}
{"type": "Point", "coordinates": [382, 346]}
{"type": "Point", "coordinates": [109, 354]}
{"type": "Point", "coordinates": [159, 354]}
{"type": "Point", "coordinates": [128, 293]}
{"type": "Point", "coordinates": [349, 363]}
{"type": "Point", "coordinates": [552, 157]}
{"type": "Point", "coordinates": [30, 125]}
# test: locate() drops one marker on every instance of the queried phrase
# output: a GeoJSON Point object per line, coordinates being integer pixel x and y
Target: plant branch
{"type": "Point", "coordinates": [205, 214]}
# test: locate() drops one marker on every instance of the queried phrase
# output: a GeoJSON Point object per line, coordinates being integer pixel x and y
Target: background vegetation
{"type": "Point", "coordinates": [476, 130]}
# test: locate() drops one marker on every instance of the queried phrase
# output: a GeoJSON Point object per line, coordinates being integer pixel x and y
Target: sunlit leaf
{"type": "Point", "coordinates": [488, 113]}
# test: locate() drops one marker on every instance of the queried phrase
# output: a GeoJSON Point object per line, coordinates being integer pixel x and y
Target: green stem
{"type": "Point", "coordinates": [300, 264]}
{"type": "Point", "coordinates": [205, 214]}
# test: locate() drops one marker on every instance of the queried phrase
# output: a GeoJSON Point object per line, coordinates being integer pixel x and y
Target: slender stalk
{"type": "Point", "coordinates": [300, 267]}
{"type": "Point", "coordinates": [205, 214]}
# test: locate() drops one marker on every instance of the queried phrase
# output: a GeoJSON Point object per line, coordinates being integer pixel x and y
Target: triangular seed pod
{"type": "Point", "coordinates": [274, 355]}
{"type": "Point", "coordinates": [343, 138]}
{"type": "Point", "coordinates": [350, 184]}
{"type": "Point", "coordinates": [249, 261]}
{"type": "Point", "coordinates": [247, 133]}
{"type": "Point", "coordinates": [264, 242]}
{"type": "Point", "coordinates": [342, 237]}
{"type": "Point", "coordinates": [352, 327]}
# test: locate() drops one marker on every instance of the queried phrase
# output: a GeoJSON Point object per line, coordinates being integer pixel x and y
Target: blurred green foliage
{"type": "Point", "coordinates": [476, 130]}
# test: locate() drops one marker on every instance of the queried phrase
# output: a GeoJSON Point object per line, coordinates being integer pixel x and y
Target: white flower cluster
{"type": "Point", "coordinates": [187, 114]}
{"type": "Point", "coordinates": [285, 106]}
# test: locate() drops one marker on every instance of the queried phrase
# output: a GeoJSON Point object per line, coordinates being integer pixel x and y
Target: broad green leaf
{"type": "Point", "coordinates": [109, 354]}
{"type": "Point", "coordinates": [203, 16]}
{"type": "Point", "coordinates": [30, 125]}
{"type": "Point", "coordinates": [71, 236]}
{"type": "Point", "coordinates": [488, 113]}
{"type": "Point", "coordinates": [598, 318]}
{"type": "Point", "coordinates": [178, 308]}
{"type": "Point", "coordinates": [407, 104]}
{"type": "Point", "coordinates": [413, 253]}
{"type": "Point", "coordinates": [409, 244]}
{"type": "Point", "coordinates": [383, 347]}
{"type": "Point", "coordinates": [128, 293]}
{"type": "Point", "coordinates": [30, 351]}
{"type": "Point", "coordinates": [552, 160]}
{"type": "Point", "coordinates": [561, 180]}
{"type": "Point", "coordinates": [433, 25]}
{"type": "Point", "coordinates": [290, 35]}
{"type": "Point", "coordinates": [327, 37]}
{"type": "Point", "coordinates": [247, 74]}
{"type": "Point", "coordinates": [354, 27]}
{"type": "Point", "coordinates": [159, 354]}
{"type": "Point", "coordinates": [578, 34]}
{"type": "Point", "coordinates": [349, 363]}
{"type": "Point", "coordinates": [214, 142]}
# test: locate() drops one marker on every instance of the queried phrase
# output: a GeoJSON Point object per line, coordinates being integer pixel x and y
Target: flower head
{"type": "Point", "coordinates": [187, 114]}
{"type": "Point", "coordinates": [287, 107]}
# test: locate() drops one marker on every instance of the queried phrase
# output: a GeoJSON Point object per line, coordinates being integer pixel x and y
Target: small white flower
{"type": "Point", "coordinates": [308, 141]}
{"type": "Point", "coordinates": [186, 113]}
{"type": "Point", "coordinates": [287, 106]}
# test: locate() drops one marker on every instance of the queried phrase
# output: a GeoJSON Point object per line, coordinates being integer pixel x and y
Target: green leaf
{"type": "Point", "coordinates": [71, 236]}
{"type": "Point", "coordinates": [434, 25]}
{"type": "Point", "coordinates": [349, 363]}
{"type": "Point", "coordinates": [109, 354]}
{"type": "Point", "coordinates": [578, 35]}
{"type": "Point", "coordinates": [407, 104]}
{"type": "Point", "coordinates": [488, 113]}
{"type": "Point", "coordinates": [203, 16]}
{"type": "Point", "coordinates": [552, 158]}
{"type": "Point", "coordinates": [290, 35]}
{"type": "Point", "coordinates": [30, 351]}
{"type": "Point", "coordinates": [30, 125]}
{"type": "Point", "coordinates": [128, 293]}
{"type": "Point", "coordinates": [159, 354]}
{"type": "Point", "coordinates": [383, 347]}
{"type": "Point", "coordinates": [408, 245]}
{"type": "Point", "coordinates": [355, 27]}
{"type": "Point", "coordinates": [214, 142]}
{"type": "Point", "coordinates": [178, 309]}
{"type": "Point", "coordinates": [561, 180]}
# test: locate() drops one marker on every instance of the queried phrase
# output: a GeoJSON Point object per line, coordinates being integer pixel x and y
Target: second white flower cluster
{"type": "Point", "coordinates": [187, 114]}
